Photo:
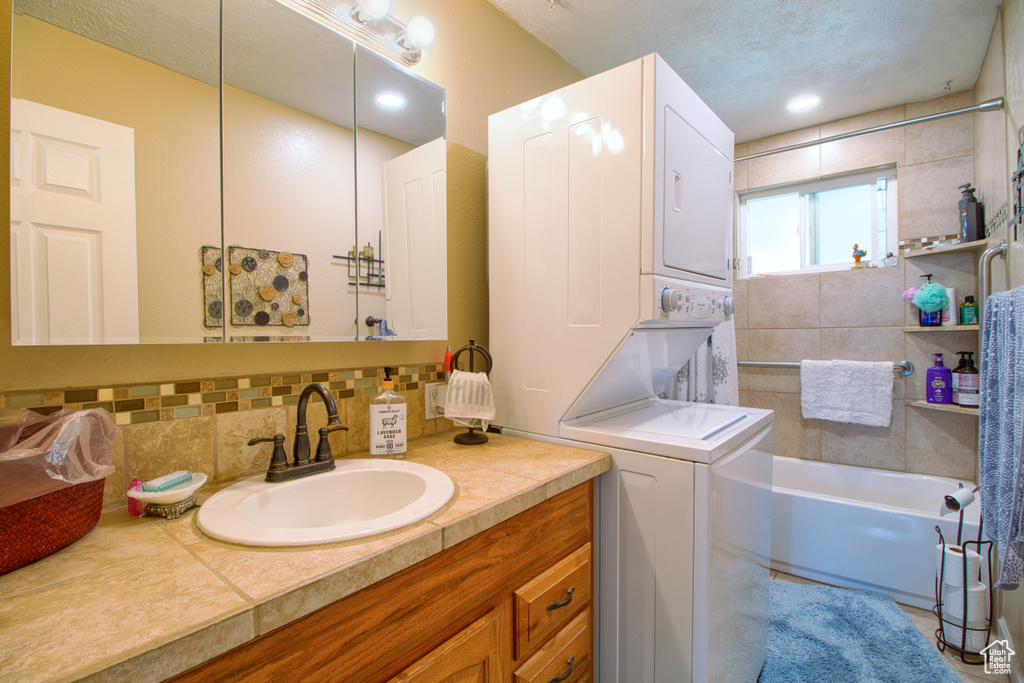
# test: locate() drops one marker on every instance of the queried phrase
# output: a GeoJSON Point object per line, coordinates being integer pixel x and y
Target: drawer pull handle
{"type": "Point", "coordinates": [565, 676]}
{"type": "Point", "coordinates": [564, 603]}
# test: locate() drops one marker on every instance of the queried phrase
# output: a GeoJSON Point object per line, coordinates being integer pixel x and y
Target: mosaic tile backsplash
{"type": "Point", "coordinates": [203, 425]}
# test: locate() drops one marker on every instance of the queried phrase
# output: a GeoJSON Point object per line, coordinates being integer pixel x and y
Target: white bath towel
{"type": "Point", "coordinates": [469, 401]}
{"type": "Point", "coordinates": [847, 391]}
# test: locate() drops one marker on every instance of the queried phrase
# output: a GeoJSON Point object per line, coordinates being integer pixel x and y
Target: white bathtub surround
{"type": "Point", "coordinates": [999, 430]}
{"type": "Point", "coordinates": [847, 391]}
{"type": "Point", "coordinates": [863, 528]}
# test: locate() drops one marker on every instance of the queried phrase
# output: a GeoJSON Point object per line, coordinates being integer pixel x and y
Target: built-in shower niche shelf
{"type": "Point", "coordinates": [945, 407]}
{"type": "Point", "coordinates": [941, 328]}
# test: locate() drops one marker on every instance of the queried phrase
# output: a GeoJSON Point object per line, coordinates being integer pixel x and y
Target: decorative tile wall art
{"type": "Point", "coordinates": [268, 288]}
{"type": "Point", "coordinates": [213, 286]}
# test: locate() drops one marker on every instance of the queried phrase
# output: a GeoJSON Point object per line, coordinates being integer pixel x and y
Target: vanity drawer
{"type": "Point", "coordinates": [547, 602]}
{"type": "Point", "coordinates": [564, 659]}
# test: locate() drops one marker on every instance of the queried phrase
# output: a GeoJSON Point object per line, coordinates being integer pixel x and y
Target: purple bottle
{"type": "Point", "coordinates": [940, 382]}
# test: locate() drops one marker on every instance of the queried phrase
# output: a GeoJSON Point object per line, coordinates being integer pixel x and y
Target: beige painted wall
{"type": "Point", "coordinates": [486, 63]}
{"type": "Point", "coordinates": [859, 315]}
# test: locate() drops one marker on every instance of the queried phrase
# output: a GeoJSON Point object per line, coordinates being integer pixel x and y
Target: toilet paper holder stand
{"type": "Point", "coordinates": [963, 549]}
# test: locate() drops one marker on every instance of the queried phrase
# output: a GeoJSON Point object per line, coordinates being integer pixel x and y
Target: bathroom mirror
{"type": "Point", "coordinates": [138, 81]}
{"type": "Point", "coordinates": [401, 203]}
{"type": "Point", "coordinates": [115, 169]}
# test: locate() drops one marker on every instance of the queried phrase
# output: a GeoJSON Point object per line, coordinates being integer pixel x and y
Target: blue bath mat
{"type": "Point", "coordinates": [821, 634]}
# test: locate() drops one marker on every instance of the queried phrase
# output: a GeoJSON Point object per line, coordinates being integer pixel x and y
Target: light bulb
{"type": "Point", "coordinates": [390, 100]}
{"type": "Point", "coordinates": [419, 32]}
{"type": "Point", "coordinates": [375, 9]}
{"type": "Point", "coordinates": [802, 103]}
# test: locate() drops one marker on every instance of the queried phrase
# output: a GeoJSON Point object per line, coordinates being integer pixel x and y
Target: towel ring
{"type": "Point", "coordinates": [472, 437]}
{"type": "Point", "coordinates": [473, 347]}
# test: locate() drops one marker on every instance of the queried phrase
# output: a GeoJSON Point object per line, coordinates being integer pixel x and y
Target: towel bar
{"type": "Point", "coordinates": [902, 368]}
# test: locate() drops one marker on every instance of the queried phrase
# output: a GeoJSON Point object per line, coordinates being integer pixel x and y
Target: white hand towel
{"type": "Point", "coordinates": [847, 391]}
{"type": "Point", "coordinates": [469, 401]}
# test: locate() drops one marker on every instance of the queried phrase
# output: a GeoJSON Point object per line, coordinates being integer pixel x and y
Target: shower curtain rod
{"type": "Point", "coordinates": [989, 105]}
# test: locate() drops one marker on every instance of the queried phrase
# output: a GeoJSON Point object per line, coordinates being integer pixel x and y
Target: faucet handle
{"type": "Point", "coordinates": [323, 448]}
{"type": "Point", "coordinates": [279, 461]}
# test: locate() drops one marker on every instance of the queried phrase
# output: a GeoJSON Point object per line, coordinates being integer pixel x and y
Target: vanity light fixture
{"type": "Point", "coordinates": [390, 100]}
{"type": "Point", "coordinates": [804, 103]}
{"type": "Point", "coordinates": [369, 22]}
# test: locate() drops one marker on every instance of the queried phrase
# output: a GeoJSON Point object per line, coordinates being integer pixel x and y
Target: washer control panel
{"type": "Point", "coordinates": [681, 302]}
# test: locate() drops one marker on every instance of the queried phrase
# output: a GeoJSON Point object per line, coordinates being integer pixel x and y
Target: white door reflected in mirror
{"type": "Point", "coordinates": [74, 271]}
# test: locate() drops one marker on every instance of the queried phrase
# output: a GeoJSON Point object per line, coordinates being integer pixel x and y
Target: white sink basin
{"type": "Point", "coordinates": [359, 498]}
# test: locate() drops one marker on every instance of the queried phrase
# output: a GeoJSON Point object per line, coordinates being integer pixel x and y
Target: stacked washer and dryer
{"type": "Point", "coordinates": [610, 223]}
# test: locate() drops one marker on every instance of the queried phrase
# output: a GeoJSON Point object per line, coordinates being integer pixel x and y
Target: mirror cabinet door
{"type": "Point", "coordinates": [115, 182]}
{"type": "Point", "coordinates": [186, 171]}
{"type": "Point", "coordinates": [289, 176]}
{"type": "Point", "coordinates": [400, 134]}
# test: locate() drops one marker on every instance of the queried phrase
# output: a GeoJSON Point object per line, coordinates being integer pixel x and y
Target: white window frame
{"type": "Point", "coordinates": [802, 188]}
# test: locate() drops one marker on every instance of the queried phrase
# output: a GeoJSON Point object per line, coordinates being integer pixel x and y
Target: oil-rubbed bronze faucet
{"type": "Point", "coordinates": [302, 466]}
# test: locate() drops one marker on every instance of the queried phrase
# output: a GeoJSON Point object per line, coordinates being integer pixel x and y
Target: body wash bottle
{"type": "Point", "coordinates": [939, 389]}
{"type": "Point", "coordinates": [387, 421]}
{"type": "Point", "coordinates": [969, 384]}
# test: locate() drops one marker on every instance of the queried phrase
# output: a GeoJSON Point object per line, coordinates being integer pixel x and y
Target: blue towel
{"type": "Point", "coordinates": [999, 432]}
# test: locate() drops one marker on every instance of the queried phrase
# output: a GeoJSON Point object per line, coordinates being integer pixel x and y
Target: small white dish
{"type": "Point", "coordinates": [173, 495]}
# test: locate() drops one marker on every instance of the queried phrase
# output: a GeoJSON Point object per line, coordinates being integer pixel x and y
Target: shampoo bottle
{"type": "Point", "coordinates": [969, 384]}
{"type": "Point", "coordinates": [969, 311]}
{"type": "Point", "coordinates": [939, 380]}
{"type": "Point", "coordinates": [387, 421]}
{"type": "Point", "coordinates": [972, 216]}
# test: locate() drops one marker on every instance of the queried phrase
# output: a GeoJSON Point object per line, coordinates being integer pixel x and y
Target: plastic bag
{"type": "Point", "coordinates": [43, 453]}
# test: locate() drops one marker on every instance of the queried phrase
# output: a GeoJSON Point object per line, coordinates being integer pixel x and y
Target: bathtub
{"type": "Point", "coordinates": [863, 528]}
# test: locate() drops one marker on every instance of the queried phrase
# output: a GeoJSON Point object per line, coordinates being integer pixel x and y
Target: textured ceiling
{"type": "Point", "coordinates": [269, 50]}
{"type": "Point", "coordinates": [748, 58]}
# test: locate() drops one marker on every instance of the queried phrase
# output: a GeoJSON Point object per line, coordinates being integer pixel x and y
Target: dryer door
{"type": "Point", "coordinates": [697, 209]}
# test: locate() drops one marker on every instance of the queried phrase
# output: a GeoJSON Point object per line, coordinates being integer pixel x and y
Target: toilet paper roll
{"type": "Point", "coordinates": [977, 604]}
{"type": "Point", "coordinates": [949, 564]}
{"type": "Point", "coordinates": [955, 502]}
{"type": "Point", "coordinates": [976, 639]}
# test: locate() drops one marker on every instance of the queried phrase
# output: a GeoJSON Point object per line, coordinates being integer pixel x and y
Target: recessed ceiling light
{"type": "Point", "coordinates": [390, 100]}
{"type": "Point", "coordinates": [802, 103]}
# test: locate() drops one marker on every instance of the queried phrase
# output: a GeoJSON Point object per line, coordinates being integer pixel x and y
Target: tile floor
{"type": "Point", "coordinates": [927, 623]}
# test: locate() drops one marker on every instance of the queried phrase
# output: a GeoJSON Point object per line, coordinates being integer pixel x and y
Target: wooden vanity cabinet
{"type": "Point", "coordinates": [477, 611]}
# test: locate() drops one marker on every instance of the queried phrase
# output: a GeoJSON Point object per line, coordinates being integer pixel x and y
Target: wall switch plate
{"type": "Point", "coordinates": [436, 392]}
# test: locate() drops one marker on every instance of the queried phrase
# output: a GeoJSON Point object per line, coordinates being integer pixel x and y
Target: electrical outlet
{"type": "Point", "coordinates": [436, 392]}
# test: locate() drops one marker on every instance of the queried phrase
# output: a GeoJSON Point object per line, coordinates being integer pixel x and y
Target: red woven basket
{"type": "Point", "coordinates": [37, 527]}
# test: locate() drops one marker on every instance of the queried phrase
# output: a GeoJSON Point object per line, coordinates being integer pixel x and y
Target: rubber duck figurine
{"type": "Point", "coordinates": [858, 254]}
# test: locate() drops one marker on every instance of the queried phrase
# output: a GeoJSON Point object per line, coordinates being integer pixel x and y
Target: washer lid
{"type": "Point", "coordinates": [699, 432]}
{"type": "Point", "coordinates": [660, 420]}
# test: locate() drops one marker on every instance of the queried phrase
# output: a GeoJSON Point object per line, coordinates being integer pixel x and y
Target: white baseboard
{"type": "Point", "coordinates": [1016, 675]}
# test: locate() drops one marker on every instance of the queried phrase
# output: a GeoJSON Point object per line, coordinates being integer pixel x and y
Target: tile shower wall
{"type": "Point", "coordinates": [203, 425]}
{"type": "Point", "coordinates": [860, 315]}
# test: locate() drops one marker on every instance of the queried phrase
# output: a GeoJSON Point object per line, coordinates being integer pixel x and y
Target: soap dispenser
{"type": "Point", "coordinates": [960, 369]}
{"type": "Point", "coordinates": [972, 215]}
{"type": "Point", "coordinates": [387, 421]}
{"type": "Point", "coordinates": [939, 380]}
{"type": "Point", "coordinates": [969, 385]}
{"type": "Point", "coordinates": [929, 318]}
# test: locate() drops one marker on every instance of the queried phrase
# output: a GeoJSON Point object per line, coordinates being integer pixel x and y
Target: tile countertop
{"type": "Point", "coordinates": [144, 599]}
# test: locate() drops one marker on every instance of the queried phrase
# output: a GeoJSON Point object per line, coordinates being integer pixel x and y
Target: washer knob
{"type": "Point", "coordinates": [728, 305]}
{"type": "Point", "coordinates": [669, 299]}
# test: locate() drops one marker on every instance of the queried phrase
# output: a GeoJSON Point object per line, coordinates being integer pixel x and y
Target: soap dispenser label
{"type": "Point", "coordinates": [387, 429]}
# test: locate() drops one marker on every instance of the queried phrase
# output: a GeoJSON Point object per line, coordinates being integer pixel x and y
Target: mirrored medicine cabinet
{"type": "Point", "coordinates": [195, 171]}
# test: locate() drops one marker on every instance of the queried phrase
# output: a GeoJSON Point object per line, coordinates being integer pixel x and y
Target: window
{"type": "Point", "coordinates": [812, 227]}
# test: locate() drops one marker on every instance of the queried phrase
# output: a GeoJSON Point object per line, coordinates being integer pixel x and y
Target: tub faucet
{"type": "Point", "coordinates": [301, 465]}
